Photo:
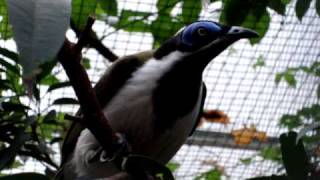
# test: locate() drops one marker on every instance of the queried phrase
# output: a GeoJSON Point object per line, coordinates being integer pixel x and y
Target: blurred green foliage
{"type": "Point", "coordinates": [28, 132]}
{"type": "Point", "coordinates": [248, 13]}
{"type": "Point", "coordinates": [259, 63]}
{"type": "Point", "coordinates": [213, 174]}
{"type": "Point", "coordinates": [252, 14]}
{"type": "Point", "coordinates": [307, 118]}
{"type": "Point", "coordinates": [305, 115]}
{"type": "Point", "coordinates": [271, 153]}
{"type": "Point", "coordinates": [173, 166]}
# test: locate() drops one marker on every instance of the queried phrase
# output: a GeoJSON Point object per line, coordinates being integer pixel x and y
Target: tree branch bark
{"type": "Point", "coordinates": [93, 117]}
{"type": "Point", "coordinates": [96, 43]}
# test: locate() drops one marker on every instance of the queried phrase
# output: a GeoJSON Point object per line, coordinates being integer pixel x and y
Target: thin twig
{"type": "Point", "coordinates": [93, 117]}
{"type": "Point", "coordinates": [95, 43]}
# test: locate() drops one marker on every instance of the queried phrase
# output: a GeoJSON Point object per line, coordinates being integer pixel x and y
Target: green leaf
{"type": "Point", "coordinates": [49, 80]}
{"type": "Point", "coordinates": [278, 5]}
{"type": "Point", "coordinates": [9, 66]}
{"type": "Point", "coordinates": [311, 139]}
{"type": "Point", "coordinates": [213, 174]}
{"type": "Point", "coordinates": [133, 21]}
{"type": "Point", "coordinates": [259, 24]}
{"type": "Point", "coordinates": [290, 121]}
{"type": "Point", "coordinates": [165, 6]}
{"type": "Point", "coordinates": [163, 28]}
{"type": "Point", "coordinates": [15, 81]}
{"type": "Point", "coordinates": [43, 147]}
{"type": "Point", "coordinates": [60, 117]}
{"type": "Point", "coordinates": [50, 117]}
{"type": "Point", "coordinates": [4, 84]}
{"type": "Point", "coordinates": [36, 92]}
{"type": "Point", "coordinates": [86, 63]}
{"type": "Point", "coordinates": [315, 66]}
{"type": "Point", "coordinates": [25, 176]}
{"type": "Point", "coordinates": [50, 129]}
{"type": "Point", "coordinates": [306, 69]}
{"type": "Point", "coordinates": [16, 164]}
{"type": "Point", "coordinates": [12, 106]}
{"type": "Point", "coordinates": [14, 117]}
{"type": "Point", "coordinates": [246, 161]}
{"type": "Point", "coordinates": [63, 101]}
{"type": "Point", "coordinates": [305, 112]}
{"type": "Point", "coordinates": [317, 72]}
{"type": "Point", "coordinates": [34, 150]}
{"type": "Point", "coordinates": [312, 112]}
{"type": "Point", "coordinates": [278, 78]}
{"type": "Point", "coordinates": [56, 140]}
{"type": "Point", "coordinates": [81, 10]}
{"type": "Point", "coordinates": [315, 109]}
{"type": "Point", "coordinates": [9, 54]}
{"type": "Point", "coordinates": [58, 86]}
{"type": "Point", "coordinates": [37, 152]}
{"type": "Point", "coordinates": [8, 154]}
{"type": "Point", "coordinates": [285, 1]}
{"type": "Point", "coordinates": [271, 153]}
{"type": "Point", "coordinates": [302, 7]}
{"type": "Point", "coordinates": [191, 10]}
{"type": "Point", "coordinates": [46, 69]}
{"type": "Point", "coordinates": [318, 7]}
{"type": "Point", "coordinates": [30, 120]}
{"type": "Point", "coordinates": [109, 6]}
{"type": "Point", "coordinates": [290, 78]}
{"type": "Point", "coordinates": [289, 73]}
{"type": "Point", "coordinates": [165, 25]}
{"type": "Point", "coordinates": [5, 27]}
{"type": "Point", "coordinates": [246, 13]}
{"type": "Point", "coordinates": [173, 166]}
{"type": "Point", "coordinates": [234, 12]}
{"type": "Point", "coordinates": [260, 62]}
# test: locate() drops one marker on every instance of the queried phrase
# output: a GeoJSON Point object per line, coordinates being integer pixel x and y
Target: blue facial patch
{"type": "Point", "coordinates": [192, 38]}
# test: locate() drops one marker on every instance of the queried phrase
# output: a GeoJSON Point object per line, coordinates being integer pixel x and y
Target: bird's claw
{"type": "Point", "coordinates": [121, 149]}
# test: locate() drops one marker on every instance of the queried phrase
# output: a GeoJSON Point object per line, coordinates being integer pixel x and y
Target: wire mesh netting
{"type": "Point", "coordinates": [250, 84]}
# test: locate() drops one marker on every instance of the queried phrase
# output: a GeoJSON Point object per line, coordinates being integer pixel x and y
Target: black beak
{"type": "Point", "coordinates": [231, 35]}
{"type": "Point", "coordinates": [240, 32]}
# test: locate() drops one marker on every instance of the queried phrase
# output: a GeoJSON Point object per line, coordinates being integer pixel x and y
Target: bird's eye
{"type": "Point", "coordinates": [202, 31]}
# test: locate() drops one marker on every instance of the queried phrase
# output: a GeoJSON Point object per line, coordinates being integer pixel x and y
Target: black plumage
{"type": "Point", "coordinates": [155, 98]}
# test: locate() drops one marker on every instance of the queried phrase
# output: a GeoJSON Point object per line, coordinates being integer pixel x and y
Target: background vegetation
{"type": "Point", "coordinates": [28, 131]}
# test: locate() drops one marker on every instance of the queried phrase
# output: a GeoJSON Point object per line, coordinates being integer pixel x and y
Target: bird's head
{"type": "Point", "coordinates": [201, 41]}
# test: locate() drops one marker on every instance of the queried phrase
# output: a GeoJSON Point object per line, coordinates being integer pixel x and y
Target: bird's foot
{"type": "Point", "coordinates": [121, 148]}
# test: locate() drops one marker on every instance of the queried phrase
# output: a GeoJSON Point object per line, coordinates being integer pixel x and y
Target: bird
{"type": "Point", "coordinates": [154, 98]}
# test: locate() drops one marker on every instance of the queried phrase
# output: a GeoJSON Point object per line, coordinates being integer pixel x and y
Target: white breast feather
{"type": "Point", "coordinates": [132, 101]}
{"type": "Point", "coordinates": [130, 110]}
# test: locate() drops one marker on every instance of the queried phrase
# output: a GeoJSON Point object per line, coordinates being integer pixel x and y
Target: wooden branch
{"type": "Point", "coordinates": [93, 117]}
{"type": "Point", "coordinates": [95, 43]}
{"type": "Point", "coordinates": [73, 118]}
{"type": "Point", "coordinates": [226, 140]}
